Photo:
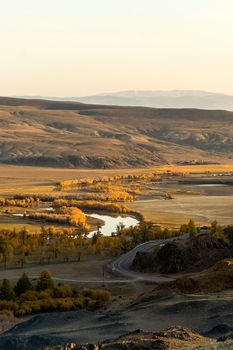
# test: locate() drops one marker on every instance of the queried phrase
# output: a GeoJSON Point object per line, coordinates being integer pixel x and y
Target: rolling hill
{"type": "Point", "coordinates": [71, 134]}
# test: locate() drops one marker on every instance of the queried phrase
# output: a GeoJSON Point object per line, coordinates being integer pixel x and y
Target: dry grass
{"type": "Point", "coordinates": [172, 213]}
{"type": "Point", "coordinates": [198, 169]}
{"type": "Point", "coordinates": [42, 180]}
{"type": "Point", "coordinates": [202, 208]}
{"type": "Point", "coordinates": [73, 135]}
{"type": "Point", "coordinates": [90, 268]}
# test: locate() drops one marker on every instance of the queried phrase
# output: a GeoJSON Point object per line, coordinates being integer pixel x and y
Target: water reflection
{"type": "Point", "coordinates": [111, 223]}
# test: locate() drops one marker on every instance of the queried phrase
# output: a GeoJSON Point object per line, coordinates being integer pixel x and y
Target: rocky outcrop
{"type": "Point", "coordinates": [194, 254]}
{"type": "Point", "coordinates": [173, 338]}
{"type": "Point", "coordinates": [215, 279]}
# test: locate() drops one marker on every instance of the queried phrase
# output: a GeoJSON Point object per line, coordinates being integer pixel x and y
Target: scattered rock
{"type": "Point", "coordinates": [172, 338]}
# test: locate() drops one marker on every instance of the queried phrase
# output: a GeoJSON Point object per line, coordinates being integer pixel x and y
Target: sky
{"type": "Point", "coordinates": [85, 47]}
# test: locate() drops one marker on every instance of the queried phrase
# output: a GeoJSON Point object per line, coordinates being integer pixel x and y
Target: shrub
{"type": "Point", "coordinates": [63, 291]}
{"type": "Point", "coordinates": [20, 313]}
{"type": "Point", "coordinates": [100, 295]}
{"type": "Point", "coordinates": [79, 302]}
{"type": "Point", "coordinates": [8, 305]}
{"type": "Point", "coordinates": [48, 304]}
{"type": "Point", "coordinates": [66, 304]}
{"type": "Point", "coordinates": [26, 306]}
{"type": "Point", "coordinates": [45, 294]}
{"type": "Point", "coordinates": [30, 295]}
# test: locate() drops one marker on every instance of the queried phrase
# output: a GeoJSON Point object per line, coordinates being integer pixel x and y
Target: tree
{"type": "Point", "coordinates": [23, 284]}
{"type": "Point", "coordinates": [184, 228]}
{"type": "Point", "coordinates": [6, 290]}
{"type": "Point", "coordinates": [229, 232]}
{"type": "Point", "coordinates": [191, 227]}
{"type": "Point", "coordinates": [145, 228]}
{"type": "Point", "coordinates": [216, 229]}
{"type": "Point", "coordinates": [45, 281]}
{"type": "Point", "coordinates": [22, 260]}
{"type": "Point", "coordinates": [120, 227]}
{"type": "Point", "coordinates": [6, 250]}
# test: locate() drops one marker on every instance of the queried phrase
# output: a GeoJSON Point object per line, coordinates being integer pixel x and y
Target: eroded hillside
{"type": "Point", "coordinates": [63, 134]}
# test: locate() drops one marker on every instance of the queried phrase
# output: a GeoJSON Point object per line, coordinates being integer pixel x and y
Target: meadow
{"type": "Point", "coordinates": [155, 193]}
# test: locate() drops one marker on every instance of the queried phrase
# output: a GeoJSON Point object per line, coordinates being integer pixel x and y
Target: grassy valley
{"type": "Point", "coordinates": [69, 180]}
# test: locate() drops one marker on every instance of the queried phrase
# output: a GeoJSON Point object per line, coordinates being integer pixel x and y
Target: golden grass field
{"type": "Point", "coordinates": [28, 179]}
{"type": "Point", "coordinates": [172, 213]}
{"type": "Point", "coordinates": [198, 205]}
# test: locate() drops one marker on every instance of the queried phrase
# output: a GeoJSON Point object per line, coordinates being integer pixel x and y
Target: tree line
{"type": "Point", "coordinates": [25, 298]}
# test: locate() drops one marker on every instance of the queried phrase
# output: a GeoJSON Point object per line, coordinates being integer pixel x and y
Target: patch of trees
{"type": "Point", "coordinates": [20, 248]}
{"type": "Point", "coordinates": [64, 215]}
{"type": "Point", "coordinates": [24, 202]}
{"type": "Point", "coordinates": [113, 196]}
{"type": "Point", "coordinates": [126, 239]}
{"type": "Point", "coordinates": [69, 244]}
{"type": "Point", "coordinates": [92, 205]}
{"type": "Point", "coordinates": [24, 298]}
{"type": "Point", "coordinates": [115, 188]}
{"type": "Point", "coordinates": [85, 182]}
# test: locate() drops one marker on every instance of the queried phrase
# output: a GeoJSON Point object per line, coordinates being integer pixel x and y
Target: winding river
{"type": "Point", "coordinates": [111, 223]}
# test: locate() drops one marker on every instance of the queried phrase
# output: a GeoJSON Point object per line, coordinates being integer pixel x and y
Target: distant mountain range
{"type": "Point", "coordinates": [156, 99]}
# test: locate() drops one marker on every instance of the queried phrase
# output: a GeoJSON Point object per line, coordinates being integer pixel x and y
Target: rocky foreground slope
{"type": "Point", "coordinates": [69, 134]}
{"type": "Point", "coordinates": [172, 339]}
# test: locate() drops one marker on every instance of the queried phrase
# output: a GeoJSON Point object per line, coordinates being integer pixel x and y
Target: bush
{"type": "Point", "coordinates": [45, 294]}
{"type": "Point", "coordinates": [48, 304]}
{"type": "Point", "coordinates": [20, 313]}
{"type": "Point", "coordinates": [62, 297]}
{"type": "Point", "coordinates": [66, 304]}
{"type": "Point", "coordinates": [8, 305]}
{"type": "Point", "coordinates": [27, 307]}
{"type": "Point", "coordinates": [79, 302]}
{"type": "Point", "coordinates": [29, 296]}
{"type": "Point", "coordinates": [100, 295]}
{"type": "Point", "coordinates": [63, 291]}
{"type": "Point", "coordinates": [36, 306]}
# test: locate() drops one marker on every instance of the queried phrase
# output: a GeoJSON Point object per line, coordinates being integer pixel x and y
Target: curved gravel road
{"type": "Point", "coordinates": [122, 265]}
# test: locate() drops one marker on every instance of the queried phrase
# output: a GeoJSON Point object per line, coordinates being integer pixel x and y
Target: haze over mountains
{"type": "Point", "coordinates": [157, 99]}
{"type": "Point", "coordinates": [70, 134]}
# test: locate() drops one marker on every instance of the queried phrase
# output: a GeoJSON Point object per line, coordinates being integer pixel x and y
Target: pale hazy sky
{"type": "Point", "coordinates": [81, 47]}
